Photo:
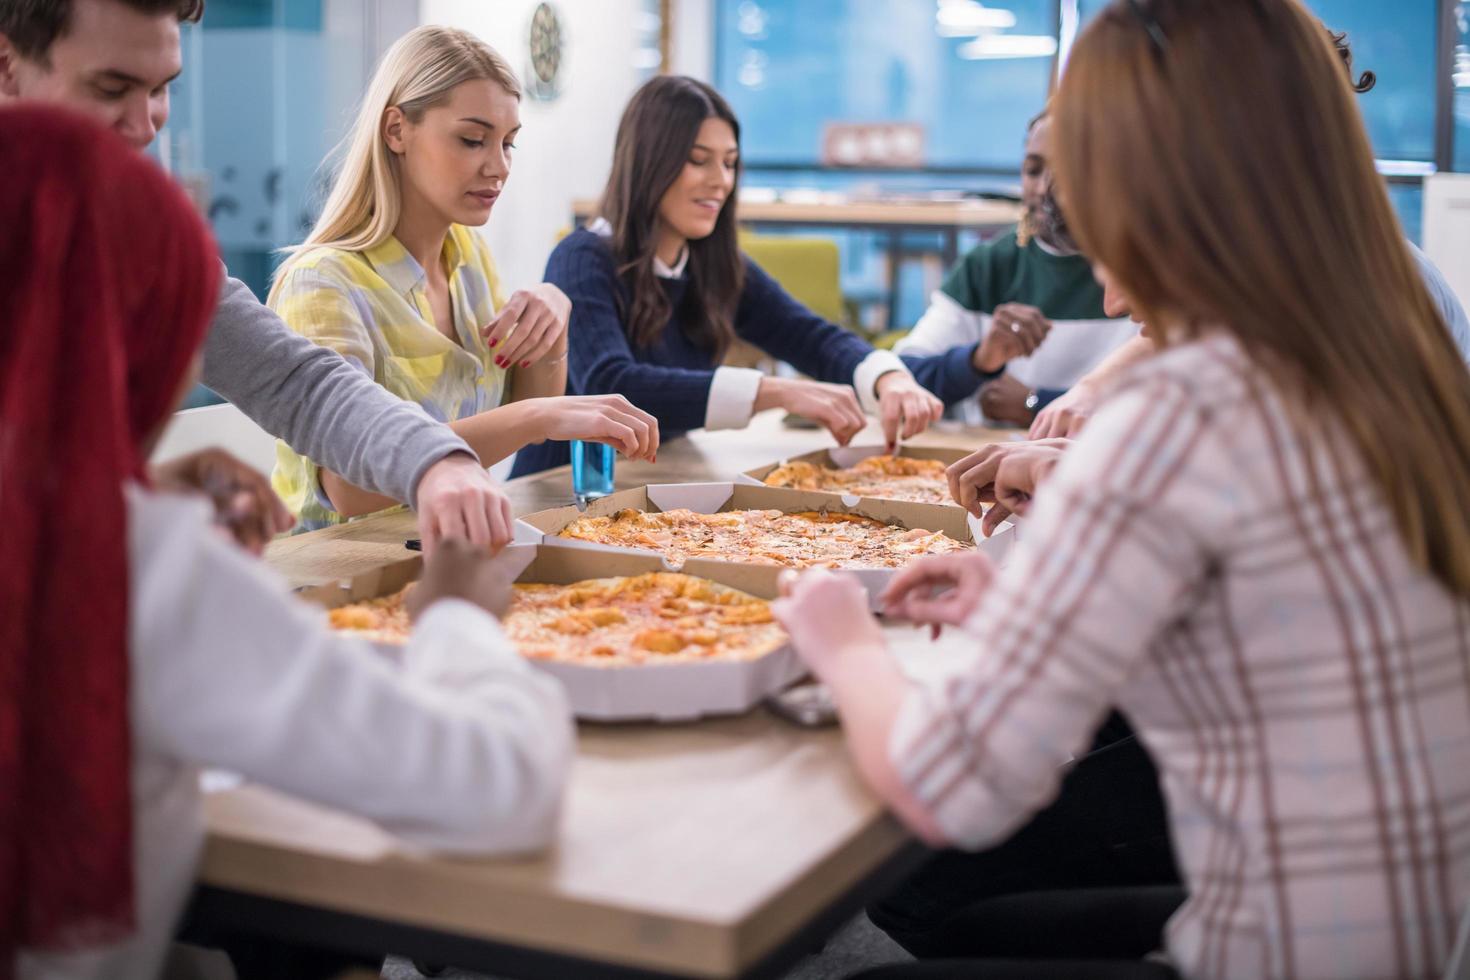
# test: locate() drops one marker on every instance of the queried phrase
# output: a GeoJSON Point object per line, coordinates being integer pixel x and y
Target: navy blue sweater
{"type": "Point", "coordinates": [671, 379]}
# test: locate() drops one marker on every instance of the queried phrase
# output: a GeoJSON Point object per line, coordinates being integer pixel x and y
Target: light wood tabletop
{"type": "Point", "coordinates": [708, 849]}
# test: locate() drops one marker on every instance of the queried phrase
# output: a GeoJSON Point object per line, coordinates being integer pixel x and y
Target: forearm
{"type": "Point", "coordinates": [493, 436]}
{"type": "Point", "coordinates": [1140, 348]}
{"type": "Point", "coordinates": [546, 378]}
{"type": "Point", "coordinates": [498, 433]}
{"type": "Point", "coordinates": [952, 375]}
{"type": "Point", "coordinates": [869, 690]}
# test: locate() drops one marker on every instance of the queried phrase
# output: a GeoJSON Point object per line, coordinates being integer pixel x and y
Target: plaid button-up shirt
{"type": "Point", "coordinates": [1222, 569]}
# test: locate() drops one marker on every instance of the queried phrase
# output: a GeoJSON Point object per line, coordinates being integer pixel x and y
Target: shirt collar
{"type": "Point", "coordinates": [599, 226]}
{"type": "Point", "coordinates": [402, 271]}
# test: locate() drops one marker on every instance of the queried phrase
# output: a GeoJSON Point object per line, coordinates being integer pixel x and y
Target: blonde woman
{"type": "Point", "coordinates": [393, 278]}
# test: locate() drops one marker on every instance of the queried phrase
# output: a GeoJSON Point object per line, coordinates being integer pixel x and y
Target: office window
{"type": "Point", "coordinates": [1396, 41]}
{"type": "Point", "coordinates": [789, 67]}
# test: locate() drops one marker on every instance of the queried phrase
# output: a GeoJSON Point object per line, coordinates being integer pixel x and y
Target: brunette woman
{"type": "Point", "coordinates": [1258, 549]}
{"type": "Point", "coordinates": [660, 290]}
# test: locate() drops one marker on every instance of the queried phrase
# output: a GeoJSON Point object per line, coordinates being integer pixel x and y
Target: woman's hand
{"type": "Point", "coordinates": [456, 498]}
{"type": "Point", "coordinates": [826, 613]}
{"type": "Point", "coordinates": [244, 503]}
{"type": "Point", "coordinates": [940, 590]}
{"type": "Point", "coordinates": [905, 407]}
{"type": "Point", "coordinates": [1016, 330]}
{"type": "Point", "coordinates": [1004, 400]}
{"type": "Point", "coordinates": [460, 570]}
{"type": "Point", "coordinates": [834, 407]}
{"type": "Point", "coordinates": [1067, 414]}
{"type": "Point", "coordinates": [1006, 472]}
{"type": "Point", "coordinates": [611, 419]}
{"type": "Point", "coordinates": [532, 324]}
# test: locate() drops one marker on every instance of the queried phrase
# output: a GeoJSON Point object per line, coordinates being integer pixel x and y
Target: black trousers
{"type": "Point", "coordinates": [1107, 829]}
{"type": "Point", "coordinates": [1075, 934]}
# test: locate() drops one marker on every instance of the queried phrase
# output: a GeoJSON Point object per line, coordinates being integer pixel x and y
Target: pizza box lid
{"type": "Point", "coordinates": [661, 692]}
{"type": "Point", "coordinates": [843, 457]}
{"type": "Point", "coordinates": [714, 498]}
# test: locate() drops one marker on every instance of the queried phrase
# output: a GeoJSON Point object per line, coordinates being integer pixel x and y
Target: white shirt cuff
{"type": "Point", "coordinates": [732, 398]}
{"type": "Point", "coordinates": [871, 368]}
{"type": "Point", "coordinates": [454, 637]}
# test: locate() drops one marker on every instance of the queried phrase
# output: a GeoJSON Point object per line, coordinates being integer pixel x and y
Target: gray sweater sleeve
{"type": "Point", "coordinates": [317, 402]}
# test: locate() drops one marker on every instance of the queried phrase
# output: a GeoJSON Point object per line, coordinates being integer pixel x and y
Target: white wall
{"type": "Point", "coordinates": [565, 147]}
{"type": "Point", "coordinates": [693, 39]}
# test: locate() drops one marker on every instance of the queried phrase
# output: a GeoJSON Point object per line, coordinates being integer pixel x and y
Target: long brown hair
{"type": "Point", "coordinates": [1213, 160]}
{"type": "Point", "coordinates": [655, 136]}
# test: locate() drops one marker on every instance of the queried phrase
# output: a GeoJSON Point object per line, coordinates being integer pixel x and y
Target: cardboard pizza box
{"type": "Point", "coordinates": [843, 457]}
{"type": "Point", "coordinates": [669, 692]}
{"type": "Point", "coordinates": [714, 498]}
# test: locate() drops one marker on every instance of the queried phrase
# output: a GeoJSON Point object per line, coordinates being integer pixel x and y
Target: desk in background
{"type": "Point", "coordinates": [890, 218]}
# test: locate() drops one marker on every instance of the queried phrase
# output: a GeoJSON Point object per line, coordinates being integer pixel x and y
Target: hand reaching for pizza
{"type": "Point", "coordinates": [1006, 472]}
{"type": "Point", "coordinates": [905, 407]}
{"type": "Point", "coordinates": [940, 590]}
{"type": "Point", "coordinates": [244, 503]}
{"type": "Point", "coordinates": [826, 614]}
{"type": "Point", "coordinates": [460, 570]}
{"type": "Point", "coordinates": [834, 407]}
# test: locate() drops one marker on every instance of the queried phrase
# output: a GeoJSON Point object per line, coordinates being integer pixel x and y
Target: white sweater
{"type": "Point", "coordinates": [464, 747]}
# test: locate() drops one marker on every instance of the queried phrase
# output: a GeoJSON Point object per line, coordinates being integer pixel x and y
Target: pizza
{"type": "Point", "coordinates": [769, 537]}
{"type": "Point", "coordinates": [891, 477]}
{"type": "Point", "coordinates": [658, 617]}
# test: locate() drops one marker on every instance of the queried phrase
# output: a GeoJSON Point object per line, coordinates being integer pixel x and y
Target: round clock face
{"type": "Point", "coordinates": [546, 52]}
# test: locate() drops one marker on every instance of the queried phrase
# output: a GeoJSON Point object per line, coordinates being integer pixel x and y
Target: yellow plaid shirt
{"type": "Point", "coordinates": [371, 308]}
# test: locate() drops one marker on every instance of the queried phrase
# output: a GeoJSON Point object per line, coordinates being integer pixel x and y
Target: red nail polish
{"type": "Point", "coordinates": [494, 341]}
{"type": "Point", "coordinates": [499, 361]}
{"type": "Point", "coordinates": [525, 364]}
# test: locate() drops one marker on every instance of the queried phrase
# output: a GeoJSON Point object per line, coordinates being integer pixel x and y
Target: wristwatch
{"type": "Point", "coordinates": [1033, 401]}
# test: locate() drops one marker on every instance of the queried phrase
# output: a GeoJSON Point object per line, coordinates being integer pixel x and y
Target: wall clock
{"type": "Point", "coordinates": [546, 51]}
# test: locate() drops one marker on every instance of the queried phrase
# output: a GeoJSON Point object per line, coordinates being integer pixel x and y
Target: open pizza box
{"type": "Point", "coordinates": [844, 457]}
{"type": "Point", "coordinates": [714, 498]}
{"type": "Point", "coordinates": [679, 691]}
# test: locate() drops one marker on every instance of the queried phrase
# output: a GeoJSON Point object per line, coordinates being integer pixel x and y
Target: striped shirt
{"type": "Point", "coordinates": [1303, 688]}
{"type": "Point", "coordinates": [372, 308]}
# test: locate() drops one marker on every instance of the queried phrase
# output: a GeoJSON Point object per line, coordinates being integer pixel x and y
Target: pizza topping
{"type": "Point", "coordinates": [891, 477]}
{"type": "Point", "coordinates": [639, 619]}
{"type": "Point", "coordinates": [799, 540]}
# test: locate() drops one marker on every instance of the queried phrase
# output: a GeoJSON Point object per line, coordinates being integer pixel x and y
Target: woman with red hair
{"type": "Point", "coordinates": [138, 643]}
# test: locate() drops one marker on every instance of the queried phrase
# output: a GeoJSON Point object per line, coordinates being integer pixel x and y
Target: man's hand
{"type": "Point", "coordinates": [244, 503]}
{"type": "Point", "coordinates": [827, 615]}
{"type": "Point", "coordinates": [905, 407]}
{"type": "Point", "coordinates": [1067, 414]}
{"type": "Point", "coordinates": [532, 324]}
{"type": "Point", "coordinates": [1004, 400]}
{"type": "Point", "coordinates": [939, 590]}
{"type": "Point", "coordinates": [460, 570]}
{"type": "Point", "coordinates": [834, 407]}
{"type": "Point", "coordinates": [1016, 330]}
{"type": "Point", "coordinates": [1006, 472]}
{"type": "Point", "coordinates": [457, 499]}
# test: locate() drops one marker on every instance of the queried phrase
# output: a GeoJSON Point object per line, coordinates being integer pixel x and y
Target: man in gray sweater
{"type": "Point", "coordinates": [114, 60]}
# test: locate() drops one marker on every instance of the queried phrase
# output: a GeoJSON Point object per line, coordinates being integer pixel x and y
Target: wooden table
{"type": "Point", "coordinates": [721, 848]}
